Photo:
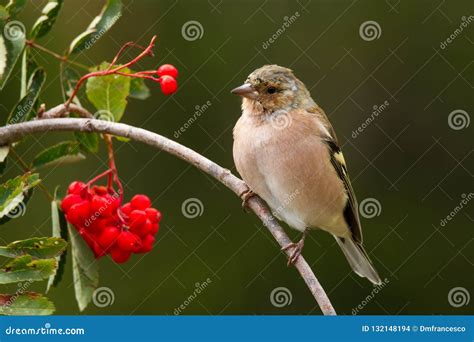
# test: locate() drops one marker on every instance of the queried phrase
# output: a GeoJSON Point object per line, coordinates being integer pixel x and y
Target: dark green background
{"type": "Point", "coordinates": [409, 159]}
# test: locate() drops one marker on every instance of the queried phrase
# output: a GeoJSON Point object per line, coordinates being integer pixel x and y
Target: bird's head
{"type": "Point", "coordinates": [271, 88]}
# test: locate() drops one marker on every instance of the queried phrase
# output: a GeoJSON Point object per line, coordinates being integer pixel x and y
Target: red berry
{"type": "Point", "coordinates": [140, 202]}
{"type": "Point", "coordinates": [119, 255]}
{"type": "Point", "coordinates": [153, 214]}
{"type": "Point", "coordinates": [99, 190]}
{"type": "Point", "coordinates": [69, 201]}
{"type": "Point", "coordinates": [148, 242]}
{"type": "Point", "coordinates": [127, 208]}
{"type": "Point", "coordinates": [137, 218]}
{"type": "Point", "coordinates": [108, 237]}
{"type": "Point", "coordinates": [154, 228]}
{"type": "Point", "coordinates": [79, 213]}
{"type": "Point", "coordinates": [129, 241]}
{"type": "Point", "coordinates": [168, 84]}
{"type": "Point", "coordinates": [75, 188]}
{"type": "Point", "coordinates": [168, 70]}
{"type": "Point", "coordinates": [99, 205]}
{"type": "Point", "coordinates": [143, 229]}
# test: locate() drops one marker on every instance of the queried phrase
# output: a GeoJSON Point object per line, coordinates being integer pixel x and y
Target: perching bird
{"type": "Point", "coordinates": [286, 151]}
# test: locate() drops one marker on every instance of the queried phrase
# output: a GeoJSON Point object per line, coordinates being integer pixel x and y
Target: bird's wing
{"type": "Point", "coordinates": [351, 213]}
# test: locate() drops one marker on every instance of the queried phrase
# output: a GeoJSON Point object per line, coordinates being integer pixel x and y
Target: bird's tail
{"type": "Point", "coordinates": [358, 259]}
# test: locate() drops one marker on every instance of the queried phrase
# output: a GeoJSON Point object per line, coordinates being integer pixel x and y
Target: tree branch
{"type": "Point", "coordinates": [12, 133]}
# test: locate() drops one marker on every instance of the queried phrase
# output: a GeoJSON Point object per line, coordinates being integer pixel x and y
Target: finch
{"type": "Point", "coordinates": [286, 151]}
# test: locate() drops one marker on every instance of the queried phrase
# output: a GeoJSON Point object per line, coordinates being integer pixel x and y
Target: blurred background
{"type": "Point", "coordinates": [412, 162]}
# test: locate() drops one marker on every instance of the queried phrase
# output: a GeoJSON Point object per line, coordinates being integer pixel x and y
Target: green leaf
{"type": "Point", "coordinates": [37, 247]}
{"type": "Point", "coordinates": [85, 269]}
{"type": "Point", "coordinates": [64, 152]}
{"type": "Point", "coordinates": [44, 23]}
{"type": "Point", "coordinates": [89, 142]}
{"type": "Point", "coordinates": [3, 157]}
{"type": "Point", "coordinates": [138, 89]}
{"type": "Point", "coordinates": [110, 13]}
{"type": "Point", "coordinates": [69, 79]}
{"type": "Point", "coordinates": [15, 6]}
{"type": "Point", "coordinates": [25, 304]}
{"type": "Point", "coordinates": [28, 67]}
{"type": "Point", "coordinates": [25, 268]}
{"type": "Point", "coordinates": [12, 42]}
{"type": "Point", "coordinates": [3, 14]}
{"type": "Point", "coordinates": [109, 93]}
{"type": "Point", "coordinates": [23, 109]}
{"type": "Point", "coordinates": [13, 195]}
{"type": "Point", "coordinates": [59, 224]}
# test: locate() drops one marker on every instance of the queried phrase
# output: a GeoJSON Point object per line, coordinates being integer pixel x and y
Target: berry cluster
{"type": "Point", "coordinates": [167, 74]}
{"type": "Point", "coordinates": [107, 226]}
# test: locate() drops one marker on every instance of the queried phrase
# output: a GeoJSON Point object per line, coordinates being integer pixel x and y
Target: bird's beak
{"type": "Point", "coordinates": [245, 90]}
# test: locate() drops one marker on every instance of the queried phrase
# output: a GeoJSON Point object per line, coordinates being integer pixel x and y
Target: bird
{"type": "Point", "coordinates": [287, 152]}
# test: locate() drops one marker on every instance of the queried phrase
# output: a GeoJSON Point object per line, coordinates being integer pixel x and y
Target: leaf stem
{"type": "Point", "coordinates": [61, 58]}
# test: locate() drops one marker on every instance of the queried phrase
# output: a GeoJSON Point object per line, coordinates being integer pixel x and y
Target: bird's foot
{"type": "Point", "coordinates": [245, 196]}
{"type": "Point", "coordinates": [297, 249]}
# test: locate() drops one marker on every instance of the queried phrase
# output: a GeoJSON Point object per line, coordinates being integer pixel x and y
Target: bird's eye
{"type": "Point", "coordinates": [271, 90]}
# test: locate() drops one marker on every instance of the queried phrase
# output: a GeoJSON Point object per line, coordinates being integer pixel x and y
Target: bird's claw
{"type": "Point", "coordinates": [297, 249]}
{"type": "Point", "coordinates": [245, 196]}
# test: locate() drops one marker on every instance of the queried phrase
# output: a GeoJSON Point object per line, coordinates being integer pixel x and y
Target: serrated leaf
{"type": "Point", "coordinates": [64, 152]}
{"type": "Point", "coordinates": [13, 195]}
{"type": "Point", "coordinates": [85, 269]}
{"type": "Point", "coordinates": [59, 225]}
{"type": "Point", "coordinates": [23, 109]}
{"type": "Point", "coordinates": [46, 21]}
{"type": "Point", "coordinates": [12, 42]}
{"type": "Point", "coordinates": [25, 268]}
{"type": "Point", "coordinates": [109, 93]}
{"type": "Point", "coordinates": [138, 89]}
{"type": "Point", "coordinates": [15, 6]}
{"type": "Point", "coordinates": [110, 13]}
{"type": "Point", "coordinates": [25, 304]}
{"type": "Point", "coordinates": [37, 247]}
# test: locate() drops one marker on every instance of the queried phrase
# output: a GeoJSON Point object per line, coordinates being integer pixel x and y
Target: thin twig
{"type": "Point", "coordinates": [15, 132]}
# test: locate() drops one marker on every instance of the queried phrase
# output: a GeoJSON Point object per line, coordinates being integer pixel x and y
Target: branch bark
{"type": "Point", "coordinates": [51, 121]}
